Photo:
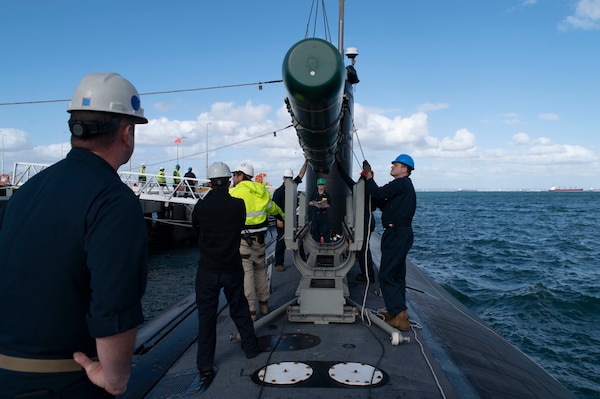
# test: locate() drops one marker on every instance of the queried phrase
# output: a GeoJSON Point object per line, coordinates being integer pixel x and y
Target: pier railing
{"type": "Point", "coordinates": [149, 187]}
{"type": "Point", "coordinates": [146, 186]}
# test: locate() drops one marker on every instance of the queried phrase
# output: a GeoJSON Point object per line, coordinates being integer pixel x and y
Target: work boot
{"type": "Point", "coordinates": [279, 268]}
{"type": "Point", "coordinates": [385, 314]}
{"type": "Point", "coordinates": [253, 315]}
{"type": "Point", "coordinates": [206, 378]}
{"type": "Point", "coordinates": [400, 321]}
{"type": "Point", "coordinates": [263, 306]}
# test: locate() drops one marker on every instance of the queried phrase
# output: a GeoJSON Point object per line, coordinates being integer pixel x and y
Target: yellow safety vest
{"type": "Point", "coordinates": [258, 203]}
{"type": "Point", "coordinates": [162, 178]}
{"type": "Point", "coordinates": [176, 173]}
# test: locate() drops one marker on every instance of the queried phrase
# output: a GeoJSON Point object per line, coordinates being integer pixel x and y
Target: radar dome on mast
{"type": "Point", "coordinates": [351, 52]}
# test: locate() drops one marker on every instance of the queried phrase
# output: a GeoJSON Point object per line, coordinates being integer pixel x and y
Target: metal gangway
{"type": "Point", "coordinates": [145, 186]}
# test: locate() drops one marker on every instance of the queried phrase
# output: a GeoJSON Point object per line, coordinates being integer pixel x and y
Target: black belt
{"type": "Point", "coordinates": [394, 225]}
{"type": "Point", "coordinates": [250, 238]}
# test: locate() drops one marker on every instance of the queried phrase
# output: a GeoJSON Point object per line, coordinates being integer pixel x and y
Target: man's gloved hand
{"type": "Point", "coordinates": [366, 166]}
{"type": "Point", "coordinates": [363, 174]}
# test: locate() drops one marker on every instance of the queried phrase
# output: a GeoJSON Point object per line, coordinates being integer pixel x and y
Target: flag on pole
{"type": "Point", "coordinates": [178, 140]}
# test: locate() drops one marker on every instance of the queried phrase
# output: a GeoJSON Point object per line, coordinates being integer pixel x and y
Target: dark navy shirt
{"type": "Point", "coordinates": [73, 247]}
{"type": "Point", "coordinates": [396, 199]}
{"type": "Point", "coordinates": [316, 197]}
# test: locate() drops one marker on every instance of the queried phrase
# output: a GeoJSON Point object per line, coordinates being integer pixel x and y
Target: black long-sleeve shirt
{"type": "Point", "coordinates": [219, 219]}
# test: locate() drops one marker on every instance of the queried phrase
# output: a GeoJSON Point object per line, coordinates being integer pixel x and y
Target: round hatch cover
{"type": "Point", "coordinates": [355, 374]}
{"type": "Point", "coordinates": [285, 373]}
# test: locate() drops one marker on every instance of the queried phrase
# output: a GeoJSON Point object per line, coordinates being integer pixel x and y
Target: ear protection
{"type": "Point", "coordinates": [83, 129]}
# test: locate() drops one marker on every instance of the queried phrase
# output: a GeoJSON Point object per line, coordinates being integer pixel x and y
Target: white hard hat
{"type": "Point", "coordinates": [245, 167]}
{"type": "Point", "coordinates": [143, 165]}
{"type": "Point", "coordinates": [288, 173]}
{"type": "Point", "coordinates": [218, 169]}
{"type": "Point", "coordinates": [107, 92]}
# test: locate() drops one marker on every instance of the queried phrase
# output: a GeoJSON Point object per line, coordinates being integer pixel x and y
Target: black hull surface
{"type": "Point", "coordinates": [451, 352]}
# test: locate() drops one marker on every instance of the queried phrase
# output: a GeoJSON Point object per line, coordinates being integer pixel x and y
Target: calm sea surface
{"type": "Point", "coordinates": [528, 263]}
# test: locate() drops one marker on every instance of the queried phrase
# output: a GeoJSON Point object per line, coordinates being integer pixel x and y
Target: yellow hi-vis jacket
{"type": "Point", "coordinates": [258, 203]}
{"type": "Point", "coordinates": [161, 178]}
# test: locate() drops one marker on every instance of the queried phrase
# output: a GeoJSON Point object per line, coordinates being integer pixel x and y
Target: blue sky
{"type": "Point", "coordinates": [489, 95]}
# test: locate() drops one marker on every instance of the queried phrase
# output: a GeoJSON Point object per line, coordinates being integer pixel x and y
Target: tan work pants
{"type": "Point", "coordinates": [255, 273]}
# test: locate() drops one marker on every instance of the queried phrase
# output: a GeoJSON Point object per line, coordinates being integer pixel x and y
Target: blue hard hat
{"type": "Point", "coordinates": [405, 159]}
{"type": "Point", "coordinates": [190, 168]}
{"type": "Point", "coordinates": [177, 166]}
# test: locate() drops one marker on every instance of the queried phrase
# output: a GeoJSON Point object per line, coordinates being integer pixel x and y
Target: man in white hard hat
{"type": "Point", "coordinates": [162, 177]}
{"type": "Point", "coordinates": [219, 219]}
{"type": "Point", "coordinates": [252, 245]}
{"type": "Point", "coordinates": [77, 296]}
{"type": "Point", "coordinates": [279, 199]}
{"type": "Point", "coordinates": [142, 175]}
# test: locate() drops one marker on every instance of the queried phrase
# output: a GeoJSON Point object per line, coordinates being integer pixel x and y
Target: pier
{"type": "Point", "coordinates": [166, 203]}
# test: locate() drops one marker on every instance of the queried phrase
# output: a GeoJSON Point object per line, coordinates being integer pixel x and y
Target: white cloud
{"type": "Point", "coordinates": [586, 16]}
{"type": "Point", "coordinates": [463, 140]}
{"type": "Point", "coordinates": [548, 117]}
{"type": "Point", "coordinates": [520, 139]}
{"type": "Point", "coordinates": [13, 139]}
{"type": "Point", "coordinates": [511, 118]}
{"type": "Point", "coordinates": [245, 131]}
{"type": "Point", "coordinates": [383, 132]}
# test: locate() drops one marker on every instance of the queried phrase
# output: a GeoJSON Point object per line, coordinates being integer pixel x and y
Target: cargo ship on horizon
{"type": "Point", "coordinates": [565, 190]}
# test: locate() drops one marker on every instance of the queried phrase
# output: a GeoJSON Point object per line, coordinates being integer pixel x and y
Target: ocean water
{"type": "Point", "coordinates": [528, 263]}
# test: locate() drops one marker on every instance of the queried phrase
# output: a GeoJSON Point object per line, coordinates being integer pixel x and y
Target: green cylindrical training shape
{"type": "Point", "coordinates": [314, 76]}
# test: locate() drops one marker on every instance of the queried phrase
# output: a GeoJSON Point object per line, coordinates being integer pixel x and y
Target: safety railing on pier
{"type": "Point", "coordinates": [150, 187]}
{"type": "Point", "coordinates": [146, 186]}
{"type": "Point", "coordinates": [24, 171]}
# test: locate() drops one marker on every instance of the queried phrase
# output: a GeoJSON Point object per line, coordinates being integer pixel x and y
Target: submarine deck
{"type": "Point", "coordinates": [451, 353]}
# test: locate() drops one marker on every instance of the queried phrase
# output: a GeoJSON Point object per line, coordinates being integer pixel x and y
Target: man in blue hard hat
{"type": "Point", "coordinates": [191, 181]}
{"type": "Point", "coordinates": [176, 178]}
{"type": "Point", "coordinates": [397, 201]}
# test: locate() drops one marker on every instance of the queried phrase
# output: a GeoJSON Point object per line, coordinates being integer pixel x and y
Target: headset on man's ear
{"type": "Point", "coordinates": [83, 129]}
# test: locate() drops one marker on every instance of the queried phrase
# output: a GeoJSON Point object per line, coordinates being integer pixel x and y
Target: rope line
{"type": "Point", "coordinates": [414, 326]}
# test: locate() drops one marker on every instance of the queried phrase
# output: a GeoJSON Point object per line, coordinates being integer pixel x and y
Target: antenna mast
{"type": "Point", "coordinates": [341, 28]}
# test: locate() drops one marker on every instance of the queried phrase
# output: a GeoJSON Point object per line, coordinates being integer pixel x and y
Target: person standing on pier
{"type": "Point", "coordinates": [142, 175]}
{"type": "Point", "coordinates": [252, 245]}
{"type": "Point", "coordinates": [219, 219]}
{"type": "Point", "coordinates": [161, 179]}
{"type": "Point", "coordinates": [398, 202]}
{"type": "Point", "coordinates": [69, 309]}
{"type": "Point", "coordinates": [176, 178]}
{"type": "Point", "coordinates": [191, 182]}
{"type": "Point", "coordinates": [279, 199]}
